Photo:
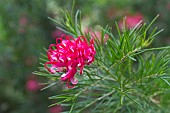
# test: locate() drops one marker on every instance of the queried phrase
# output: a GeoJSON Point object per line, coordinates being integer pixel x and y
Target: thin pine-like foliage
{"type": "Point", "coordinates": [126, 76]}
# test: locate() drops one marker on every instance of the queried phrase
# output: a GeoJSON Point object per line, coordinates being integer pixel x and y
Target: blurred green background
{"type": "Point", "coordinates": [25, 30]}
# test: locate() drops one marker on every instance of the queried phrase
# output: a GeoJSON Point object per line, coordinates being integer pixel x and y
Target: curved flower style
{"type": "Point", "coordinates": [68, 55]}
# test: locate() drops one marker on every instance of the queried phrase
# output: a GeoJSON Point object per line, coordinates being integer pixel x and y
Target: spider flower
{"type": "Point", "coordinates": [132, 20]}
{"type": "Point", "coordinates": [69, 54]}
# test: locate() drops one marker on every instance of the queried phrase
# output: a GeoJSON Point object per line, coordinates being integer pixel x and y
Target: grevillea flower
{"type": "Point", "coordinates": [32, 85]}
{"type": "Point", "coordinates": [56, 33]}
{"type": "Point", "coordinates": [69, 55]}
{"type": "Point", "coordinates": [131, 21]}
{"type": "Point", "coordinates": [23, 21]}
{"type": "Point", "coordinates": [168, 6]}
{"type": "Point", "coordinates": [55, 109]}
{"type": "Point", "coordinates": [97, 36]}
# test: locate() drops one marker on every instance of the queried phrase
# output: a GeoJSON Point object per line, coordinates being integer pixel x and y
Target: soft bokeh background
{"type": "Point", "coordinates": [25, 30]}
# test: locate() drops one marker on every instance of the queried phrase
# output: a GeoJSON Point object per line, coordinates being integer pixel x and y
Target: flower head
{"type": "Point", "coordinates": [68, 55]}
{"type": "Point", "coordinates": [55, 109]}
{"type": "Point", "coordinates": [131, 21]}
{"type": "Point", "coordinates": [23, 21]}
{"type": "Point", "coordinates": [97, 36]}
{"type": "Point", "coordinates": [56, 33]}
{"type": "Point", "coordinates": [32, 85]}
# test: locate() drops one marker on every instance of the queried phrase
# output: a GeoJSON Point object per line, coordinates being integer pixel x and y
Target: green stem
{"type": "Point", "coordinates": [72, 106]}
{"type": "Point", "coordinates": [98, 99]}
{"type": "Point", "coordinates": [152, 49]}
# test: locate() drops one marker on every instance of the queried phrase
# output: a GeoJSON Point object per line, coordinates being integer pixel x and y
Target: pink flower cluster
{"type": "Point", "coordinates": [68, 55]}
{"type": "Point", "coordinates": [23, 21]}
{"type": "Point", "coordinates": [131, 21]}
{"type": "Point", "coordinates": [55, 109]}
{"type": "Point", "coordinates": [32, 84]}
{"type": "Point", "coordinates": [97, 36]}
{"type": "Point", "coordinates": [56, 33]}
